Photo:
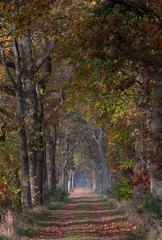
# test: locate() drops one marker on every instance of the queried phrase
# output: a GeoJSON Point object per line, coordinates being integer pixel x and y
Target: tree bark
{"type": "Point", "coordinates": [105, 168]}
{"type": "Point", "coordinates": [40, 144]}
{"type": "Point", "coordinates": [31, 110]}
{"type": "Point", "coordinates": [25, 179]}
{"type": "Point", "coordinates": [156, 163]}
{"type": "Point", "coordinates": [99, 180]}
{"type": "Point", "coordinates": [72, 181]}
{"type": "Point", "coordinates": [41, 162]}
{"type": "Point", "coordinates": [141, 166]}
{"type": "Point", "coordinates": [23, 151]}
{"type": "Point", "coordinates": [50, 158]}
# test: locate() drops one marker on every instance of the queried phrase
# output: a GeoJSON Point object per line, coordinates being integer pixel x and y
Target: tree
{"type": "Point", "coordinates": [27, 66]}
{"type": "Point", "coordinates": [114, 42]}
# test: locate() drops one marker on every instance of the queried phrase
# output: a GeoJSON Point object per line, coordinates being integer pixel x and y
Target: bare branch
{"type": "Point", "coordinates": [90, 150]}
{"type": "Point", "coordinates": [95, 138]}
{"type": "Point", "coordinates": [76, 144]}
{"type": "Point", "coordinates": [98, 137]}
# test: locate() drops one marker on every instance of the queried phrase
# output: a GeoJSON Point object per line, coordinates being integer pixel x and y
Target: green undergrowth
{"type": "Point", "coordinates": [139, 234]}
{"type": "Point", "coordinates": [57, 195]}
{"type": "Point", "coordinates": [145, 217]}
{"type": "Point", "coordinates": [56, 207]}
{"type": "Point", "coordinates": [37, 221]}
{"type": "Point", "coordinates": [35, 224]}
{"type": "Point", "coordinates": [124, 212]}
{"type": "Point", "coordinates": [151, 206]}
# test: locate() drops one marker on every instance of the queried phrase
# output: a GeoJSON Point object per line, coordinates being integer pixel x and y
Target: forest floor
{"type": "Point", "coordinates": [86, 216]}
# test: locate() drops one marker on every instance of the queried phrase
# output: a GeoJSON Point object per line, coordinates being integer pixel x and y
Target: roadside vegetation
{"type": "Point", "coordinates": [27, 225]}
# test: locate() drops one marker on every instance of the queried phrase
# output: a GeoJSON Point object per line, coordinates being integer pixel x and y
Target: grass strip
{"type": "Point", "coordinates": [107, 204]}
{"type": "Point", "coordinates": [82, 215]}
{"type": "Point", "coordinates": [37, 221]}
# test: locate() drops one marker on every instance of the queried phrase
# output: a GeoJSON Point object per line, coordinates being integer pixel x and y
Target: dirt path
{"type": "Point", "coordinates": [86, 217]}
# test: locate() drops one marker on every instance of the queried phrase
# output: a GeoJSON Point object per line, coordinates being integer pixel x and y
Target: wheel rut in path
{"type": "Point", "coordinates": [84, 218]}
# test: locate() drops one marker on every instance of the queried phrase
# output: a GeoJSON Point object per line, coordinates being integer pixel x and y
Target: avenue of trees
{"type": "Point", "coordinates": [80, 98]}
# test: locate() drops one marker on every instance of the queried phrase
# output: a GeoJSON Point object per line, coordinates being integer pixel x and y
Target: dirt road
{"type": "Point", "coordinates": [87, 216]}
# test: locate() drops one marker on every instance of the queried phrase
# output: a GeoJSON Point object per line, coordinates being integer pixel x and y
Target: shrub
{"type": "Point", "coordinates": [10, 187]}
{"type": "Point", "coordinates": [59, 194]}
{"type": "Point", "coordinates": [123, 189]}
{"type": "Point", "coordinates": [151, 206]}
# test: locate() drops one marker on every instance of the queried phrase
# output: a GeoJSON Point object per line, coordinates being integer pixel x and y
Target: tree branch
{"type": "Point", "coordinates": [43, 58]}
{"type": "Point", "coordinates": [17, 61]}
{"type": "Point", "coordinates": [11, 79]}
{"type": "Point", "coordinates": [90, 150]}
{"type": "Point", "coordinates": [95, 138]}
{"type": "Point", "coordinates": [76, 144]}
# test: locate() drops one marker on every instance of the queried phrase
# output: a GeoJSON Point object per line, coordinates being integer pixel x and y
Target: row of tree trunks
{"type": "Point", "coordinates": [148, 159]}
{"type": "Point", "coordinates": [29, 115]}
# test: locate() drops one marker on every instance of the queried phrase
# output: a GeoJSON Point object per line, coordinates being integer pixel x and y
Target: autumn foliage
{"type": "Point", "coordinates": [80, 74]}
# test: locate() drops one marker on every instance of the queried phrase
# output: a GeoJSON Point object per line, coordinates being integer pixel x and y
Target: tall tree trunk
{"type": "Point", "coordinates": [40, 145]}
{"type": "Point", "coordinates": [50, 158]}
{"type": "Point", "coordinates": [93, 180]}
{"type": "Point", "coordinates": [104, 161]}
{"type": "Point", "coordinates": [25, 179]}
{"type": "Point", "coordinates": [156, 164]}
{"type": "Point", "coordinates": [65, 179]}
{"type": "Point", "coordinates": [65, 171]}
{"type": "Point", "coordinates": [99, 180]}
{"type": "Point", "coordinates": [41, 163]}
{"type": "Point", "coordinates": [69, 181]}
{"type": "Point", "coordinates": [72, 181]}
{"type": "Point", "coordinates": [141, 166]}
{"type": "Point", "coordinates": [31, 109]}
{"type": "Point", "coordinates": [75, 179]}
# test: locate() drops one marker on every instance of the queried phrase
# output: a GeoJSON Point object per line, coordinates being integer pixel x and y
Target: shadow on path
{"type": "Point", "coordinates": [84, 218]}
